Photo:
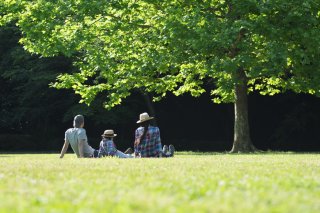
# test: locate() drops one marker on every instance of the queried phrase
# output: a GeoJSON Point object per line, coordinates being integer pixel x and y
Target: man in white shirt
{"type": "Point", "coordinates": [78, 140]}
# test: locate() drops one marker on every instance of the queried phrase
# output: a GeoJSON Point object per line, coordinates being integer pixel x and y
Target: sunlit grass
{"type": "Point", "coordinates": [189, 182]}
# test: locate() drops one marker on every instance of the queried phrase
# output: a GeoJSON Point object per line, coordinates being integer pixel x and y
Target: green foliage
{"type": "Point", "coordinates": [24, 86]}
{"type": "Point", "coordinates": [175, 46]}
{"type": "Point", "coordinates": [206, 182]}
{"type": "Point", "coordinates": [28, 106]}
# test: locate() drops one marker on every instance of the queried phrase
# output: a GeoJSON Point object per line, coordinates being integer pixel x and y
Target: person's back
{"type": "Point", "coordinates": [77, 137]}
{"type": "Point", "coordinates": [74, 135]}
{"type": "Point", "coordinates": [150, 145]}
{"type": "Point", "coordinates": [147, 141]}
{"type": "Point", "coordinates": [107, 148]}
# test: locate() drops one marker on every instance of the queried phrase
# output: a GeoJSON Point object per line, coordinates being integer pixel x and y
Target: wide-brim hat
{"type": "Point", "coordinates": [109, 133]}
{"type": "Point", "coordinates": [144, 117]}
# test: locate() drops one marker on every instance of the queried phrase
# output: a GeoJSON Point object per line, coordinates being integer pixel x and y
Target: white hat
{"type": "Point", "coordinates": [144, 117]}
{"type": "Point", "coordinates": [109, 133]}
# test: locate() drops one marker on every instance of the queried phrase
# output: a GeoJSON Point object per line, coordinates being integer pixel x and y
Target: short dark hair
{"type": "Point", "coordinates": [78, 120]}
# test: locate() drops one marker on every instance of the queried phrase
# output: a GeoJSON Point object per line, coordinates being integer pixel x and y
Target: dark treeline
{"type": "Point", "coordinates": [34, 116]}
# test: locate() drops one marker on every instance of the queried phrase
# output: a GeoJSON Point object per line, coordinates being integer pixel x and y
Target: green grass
{"type": "Point", "coordinates": [189, 182]}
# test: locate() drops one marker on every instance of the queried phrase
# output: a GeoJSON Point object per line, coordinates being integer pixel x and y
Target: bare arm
{"type": "Point", "coordinates": [64, 148]}
{"type": "Point", "coordinates": [137, 142]}
{"type": "Point", "coordinates": [137, 138]}
{"type": "Point", "coordinates": [80, 146]}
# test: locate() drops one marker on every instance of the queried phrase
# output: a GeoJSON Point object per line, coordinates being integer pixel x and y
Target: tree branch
{"type": "Point", "coordinates": [234, 50]}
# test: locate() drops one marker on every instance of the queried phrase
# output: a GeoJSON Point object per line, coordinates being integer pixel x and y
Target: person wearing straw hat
{"type": "Point", "coordinates": [108, 148]}
{"type": "Point", "coordinates": [147, 139]}
{"type": "Point", "coordinates": [78, 140]}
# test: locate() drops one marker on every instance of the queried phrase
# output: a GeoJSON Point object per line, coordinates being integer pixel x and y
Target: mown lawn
{"type": "Point", "coordinates": [189, 182]}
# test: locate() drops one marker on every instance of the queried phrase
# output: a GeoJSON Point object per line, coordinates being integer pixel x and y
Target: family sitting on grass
{"type": "Point", "coordinates": [147, 141]}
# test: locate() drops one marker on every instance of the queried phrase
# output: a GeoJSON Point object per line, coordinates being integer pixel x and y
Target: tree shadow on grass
{"type": "Point", "coordinates": [250, 153]}
{"type": "Point", "coordinates": [200, 153]}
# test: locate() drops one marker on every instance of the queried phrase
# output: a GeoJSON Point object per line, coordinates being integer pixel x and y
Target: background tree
{"type": "Point", "coordinates": [180, 46]}
{"type": "Point", "coordinates": [33, 115]}
{"type": "Point", "coordinates": [25, 93]}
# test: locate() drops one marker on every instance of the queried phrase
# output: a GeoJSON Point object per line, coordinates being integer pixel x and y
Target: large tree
{"type": "Point", "coordinates": [178, 46]}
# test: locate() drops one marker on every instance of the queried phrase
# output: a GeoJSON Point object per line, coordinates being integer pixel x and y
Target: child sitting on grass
{"type": "Point", "coordinates": [107, 146]}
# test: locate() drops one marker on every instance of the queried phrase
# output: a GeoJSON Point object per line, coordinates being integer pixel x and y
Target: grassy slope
{"type": "Point", "coordinates": [188, 182]}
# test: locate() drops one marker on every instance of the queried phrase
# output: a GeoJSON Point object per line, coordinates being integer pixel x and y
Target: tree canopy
{"type": "Point", "coordinates": [175, 46]}
{"type": "Point", "coordinates": [30, 110]}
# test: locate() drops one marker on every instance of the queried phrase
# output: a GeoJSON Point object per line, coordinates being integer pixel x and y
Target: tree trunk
{"type": "Point", "coordinates": [150, 106]}
{"type": "Point", "coordinates": [242, 141]}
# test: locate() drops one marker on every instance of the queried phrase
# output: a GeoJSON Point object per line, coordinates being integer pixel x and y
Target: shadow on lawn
{"type": "Point", "coordinates": [200, 153]}
{"type": "Point", "coordinates": [251, 153]}
{"type": "Point", "coordinates": [11, 154]}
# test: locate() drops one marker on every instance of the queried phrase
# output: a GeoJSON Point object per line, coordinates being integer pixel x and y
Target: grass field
{"type": "Point", "coordinates": [189, 182]}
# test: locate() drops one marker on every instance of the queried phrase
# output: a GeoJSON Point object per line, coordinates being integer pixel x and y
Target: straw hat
{"type": "Point", "coordinates": [109, 133]}
{"type": "Point", "coordinates": [144, 117]}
